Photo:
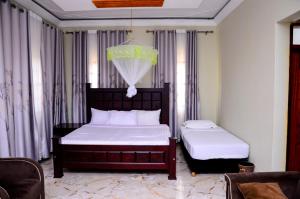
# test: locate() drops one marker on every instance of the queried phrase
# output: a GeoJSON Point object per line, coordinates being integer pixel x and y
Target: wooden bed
{"type": "Point", "coordinates": [212, 150]}
{"type": "Point", "coordinates": [120, 157]}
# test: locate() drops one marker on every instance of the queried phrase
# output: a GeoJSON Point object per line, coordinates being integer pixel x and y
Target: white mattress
{"type": "Point", "coordinates": [118, 135]}
{"type": "Point", "coordinates": [216, 143]}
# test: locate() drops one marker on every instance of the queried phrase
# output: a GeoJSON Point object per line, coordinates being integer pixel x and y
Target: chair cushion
{"type": "Point", "coordinates": [256, 190]}
{"type": "Point", "coordinates": [3, 193]}
{"type": "Point", "coordinates": [25, 189]}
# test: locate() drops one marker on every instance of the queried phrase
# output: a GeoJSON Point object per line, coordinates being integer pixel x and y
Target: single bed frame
{"type": "Point", "coordinates": [212, 165]}
{"type": "Point", "coordinates": [120, 157]}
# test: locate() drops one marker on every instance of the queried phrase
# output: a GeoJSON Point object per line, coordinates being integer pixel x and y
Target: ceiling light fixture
{"type": "Point", "coordinates": [127, 3]}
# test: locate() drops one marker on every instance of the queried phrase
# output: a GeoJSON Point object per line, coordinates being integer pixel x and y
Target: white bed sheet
{"type": "Point", "coordinates": [216, 143]}
{"type": "Point", "coordinates": [118, 135]}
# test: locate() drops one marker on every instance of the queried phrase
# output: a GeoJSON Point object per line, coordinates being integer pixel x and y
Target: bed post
{"type": "Point", "coordinates": [57, 159]}
{"type": "Point", "coordinates": [165, 104]}
{"type": "Point", "coordinates": [87, 99]}
{"type": "Point", "coordinates": [172, 159]}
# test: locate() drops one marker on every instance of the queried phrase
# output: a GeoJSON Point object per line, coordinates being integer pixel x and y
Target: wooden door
{"type": "Point", "coordinates": [293, 150]}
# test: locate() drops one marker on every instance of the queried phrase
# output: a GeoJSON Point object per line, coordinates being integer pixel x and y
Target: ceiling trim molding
{"type": "Point", "coordinates": [44, 8]}
{"type": "Point", "coordinates": [136, 23]}
{"type": "Point", "coordinates": [220, 10]}
{"type": "Point", "coordinates": [48, 15]}
{"type": "Point", "coordinates": [227, 10]}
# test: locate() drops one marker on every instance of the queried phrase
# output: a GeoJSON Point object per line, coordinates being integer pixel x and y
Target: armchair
{"type": "Point", "coordinates": [289, 182]}
{"type": "Point", "coordinates": [21, 178]}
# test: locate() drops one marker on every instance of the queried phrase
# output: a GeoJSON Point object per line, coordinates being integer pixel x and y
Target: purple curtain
{"type": "Point", "coordinates": [165, 70]}
{"type": "Point", "coordinates": [192, 90]}
{"type": "Point", "coordinates": [109, 77]}
{"type": "Point", "coordinates": [16, 103]}
{"type": "Point", "coordinates": [79, 75]}
{"type": "Point", "coordinates": [54, 89]}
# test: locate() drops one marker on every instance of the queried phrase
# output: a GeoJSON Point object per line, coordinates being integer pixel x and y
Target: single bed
{"type": "Point", "coordinates": [213, 150]}
{"type": "Point", "coordinates": [129, 148]}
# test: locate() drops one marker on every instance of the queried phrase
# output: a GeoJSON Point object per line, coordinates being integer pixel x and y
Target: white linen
{"type": "Point", "coordinates": [214, 143]}
{"type": "Point", "coordinates": [148, 117]}
{"type": "Point", "coordinates": [199, 124]}
{"type": "Point", "coordinates": [99, 117]}
{"type": "Point", "coordinates": [122, 118]}
{"type": "Point", "coordinates": [118, 135]}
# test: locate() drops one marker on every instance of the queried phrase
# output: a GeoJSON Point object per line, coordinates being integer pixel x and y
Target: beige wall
{"type": "Point", "coordinates": [68, 65]}
{"type": "Point", "coordinates": [254, 78]}
{"type": "Point", "coordinates": [208, 67]}
{"type": "Point", "coordinates": [209, 75]}
{"type": "Point", "coordinates": [139, 36]}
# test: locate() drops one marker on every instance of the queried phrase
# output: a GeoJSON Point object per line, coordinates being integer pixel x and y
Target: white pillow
{"type": "Point", "coordinates": [148, 117]}
{"type": "Point", "coordinates": [122, 118]}
{"type": "Point", "coordinates": [200, 124]}
{"type": "Point", "coordinates": [99, 117]}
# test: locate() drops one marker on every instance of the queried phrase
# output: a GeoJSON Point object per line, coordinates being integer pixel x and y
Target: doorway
{"type": "Point", "coordinates": [293, 144]}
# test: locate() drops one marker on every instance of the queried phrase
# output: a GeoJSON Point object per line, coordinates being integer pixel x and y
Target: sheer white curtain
{"type": "Point", "coordinates": [92, 59]}
{"type": "Point", "coordinates": [181, 77]}
{"type": "Point", "coordinates": [35, 27]}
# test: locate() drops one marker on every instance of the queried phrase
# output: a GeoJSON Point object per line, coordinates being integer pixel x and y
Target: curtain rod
{"type": "Point", "coordinates": [198, 31]}
{"type": "Point", "coordinates": [15, 5]}
{"type": "Point", "coordinates": [49, 24]}
{"type": "Point", "coordinates": [71, 32]}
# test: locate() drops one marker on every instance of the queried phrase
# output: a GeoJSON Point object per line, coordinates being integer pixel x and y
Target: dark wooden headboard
{"type": "Point", "coordinates": [115, 99]}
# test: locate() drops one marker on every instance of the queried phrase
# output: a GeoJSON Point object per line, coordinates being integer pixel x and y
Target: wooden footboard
{"type": "Point", "coordinates": [110, 157]}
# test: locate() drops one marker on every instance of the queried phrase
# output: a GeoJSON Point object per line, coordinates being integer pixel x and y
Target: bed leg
{"type": "Point", "coordinates": [172, 159]}
{"type": "Point", "coordinates": [57, 159]}
{"type": "Point", "coordinates": [194, 174]}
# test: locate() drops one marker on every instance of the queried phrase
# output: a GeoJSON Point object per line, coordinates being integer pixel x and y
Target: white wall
{"type": "Point", "coordinates": [208, 66]}
{"type": "Point", "coordinates": [254, 78]}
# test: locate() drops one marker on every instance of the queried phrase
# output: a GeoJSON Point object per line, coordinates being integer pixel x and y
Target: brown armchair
{"type": "Point", "coordinates": [289, 182]}
{"type": "Point", "coordinates": [21, 178]}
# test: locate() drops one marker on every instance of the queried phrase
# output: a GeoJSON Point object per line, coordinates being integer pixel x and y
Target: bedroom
{"type": "Point", "coordinates": [243, 69]}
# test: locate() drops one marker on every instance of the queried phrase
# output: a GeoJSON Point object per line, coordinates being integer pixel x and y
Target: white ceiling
{"type": "Point", "coordinates": [82, 13]}
{"type": "Point", "coordinates": [84, 5]}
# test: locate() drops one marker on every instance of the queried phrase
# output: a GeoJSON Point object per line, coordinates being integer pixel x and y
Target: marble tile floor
{"type": "Point", "coordinates": [98, 185]}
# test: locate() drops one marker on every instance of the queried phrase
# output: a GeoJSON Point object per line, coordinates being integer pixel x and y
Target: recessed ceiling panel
{"type": "Point", "coordinates": [82, 5]}
{"type": "Point", "coordinates": [172, 9]}
{"type": "Point", "coordinates": [182, 3]}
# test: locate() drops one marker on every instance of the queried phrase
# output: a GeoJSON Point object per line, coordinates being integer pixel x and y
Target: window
{"type": "Point", "coordinates": [296, 35]}
{"type": "Point", "coordinates": [181, 75]}
{"type": "Point", "coordinates": [35, 42]}
{"type": "Point", "coordinates": [92, 59]}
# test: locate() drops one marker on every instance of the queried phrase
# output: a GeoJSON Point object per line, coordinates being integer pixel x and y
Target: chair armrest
{"type": "Point", "coordinates": [3, 193]}
{"type": "Point", "coordinates": [15, 169]}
